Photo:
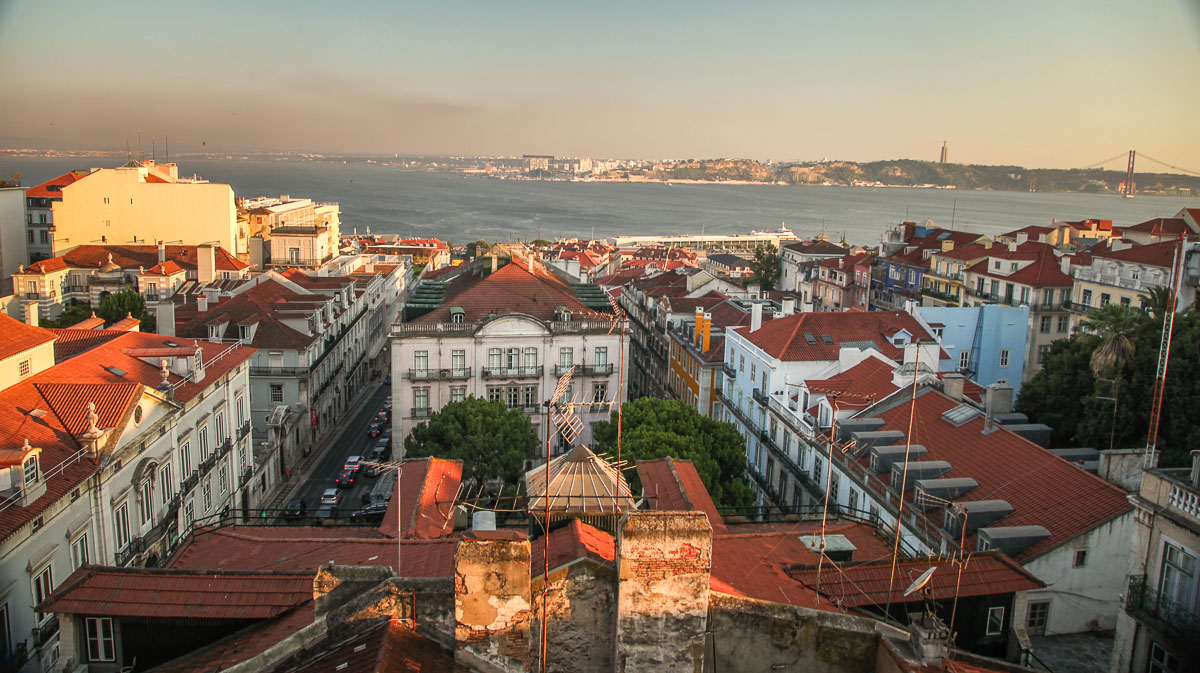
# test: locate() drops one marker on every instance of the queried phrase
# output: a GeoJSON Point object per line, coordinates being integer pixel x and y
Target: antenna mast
{"type": "Point", "coordinates": [1164, 350]}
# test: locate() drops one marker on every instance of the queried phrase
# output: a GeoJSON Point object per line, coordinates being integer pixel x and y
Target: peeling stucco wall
{"type": "Point", "coordinates": [492, 609]}
{"type": "Point", "coordinates": [580, 605]}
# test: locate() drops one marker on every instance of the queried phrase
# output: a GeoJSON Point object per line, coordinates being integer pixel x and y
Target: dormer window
{"type": "Point", "coordinates": [198, 364]}
{"type": "Point", "coordinates": [214, 331]}
{"type": "Point", "coordinates": [32, 473]}
{"type": "Point", "coordinates": [244, 333]}
{"type": "Point", "coordinates": [457, 314]}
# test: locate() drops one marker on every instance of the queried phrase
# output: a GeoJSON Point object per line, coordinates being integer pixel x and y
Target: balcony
{"type": "Point", "coordinates": [1161, 613]}
{"type": "Point", "coordinates": [792, 418]}
{"type": "Point", "coordinates": [45, 632]}
{"type": "Point", "coordinates": [83, 289]}
{"type": "Point", "coordinates": [760, 397]}
{"type": "Point", "coordinates": [598, 370]}
{"type": "Point", "coordinates": [243, 431]}
{"type": "Point", "coordinates": [559, 370]}
{"type": "Point", "coordinates": [940, 296]}
{"type": "Point", "coordinates": [439, 374]}
{"type": "Point", "coordinates": [737, 411]}
{"type": "Point", "coordinates": [513, 373]}
{"type": "Point", "coordinates": [189, 484]}
{"type": "Point", "coordinates": [1114, 280]}
{"type": "Point", "coordinates": [421, 412]}
{"type": "Point", "coordinates": [135, 547]}
{"type": "Point", "coordinates": [729, 371]}
{"type": "Point", "coordinates": [279, 371]}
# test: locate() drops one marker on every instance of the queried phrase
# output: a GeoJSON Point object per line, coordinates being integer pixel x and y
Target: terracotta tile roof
{"type": "Point", "coordinates": [69, 402]}
{"type": "Point", "coordinates": [784, 338]}
{"type": "Point", "coordinates": [125, 324]}
{"type": "Point", "coordinates": [661, 264]}
{"type": "Point", "coordinates": [932, 241]}
{"type": "Point", "coordinates": [623, 275]}
{"type": "Point", "coordinates": [1045, 271]}
{"type": "Point", "coordinates": [242, 645]}
{"type": "Point", "coordinates": [88, 323]}
{"type": "Point", "coordinates": [382, 646]}
{"type": "Point", "coordinates": [428, 488]}
{"type": "Point", "coordinates": [872, 377]}
{"type": "Point", "coordinates": [47, 265]}
{"type": "Point", "coordinates": [312, 282]}
{"type": "Point", "coordinates": [1171, 226]}
{"type": "Point", "coordinates": [847, 261]}
{"type": "Point", "coordinates": [1042, 488]}
{"type": "Point", "coordinates": [671, 484]}
{"type": "Point", "coordinates": [817, 248]}
{"type": "Point", "coordinates": [16, 337]}
{"type": "Point", "coordinates": [1154, 254]}
{"type": "Point", "coordinates": [569, 543]}
{"type": "Point", "coordinates": [864, 584]}
{"type": "Point", "coordinates": [145, 256]}
{"type": "Point", "coordinates": [52, 188]}
{"type": "Point", "coordinates": [513, 288]}
{"type": "Point", "coordinates": [262, 302]}
{"type": "Point", "coordinates": [167, 268]}
{"type": "Point", "coordinates": [176, 594]}
{"type": "Point", "coordinates": [307, 548]}
{"type": "Point", "coordinates": [972, 251]}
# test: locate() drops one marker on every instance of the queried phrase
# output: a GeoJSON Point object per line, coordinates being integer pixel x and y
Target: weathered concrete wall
{"type": "Point", "coordinates": [335, 585]}
{"type": "Point", "coordinates": [433, 598]}
{"type": "Point", "coordinates": [492, 601]}
{"type": "Point", "coordinates": [752, 636]}
{"type": "Point", "coordinates": [663, 565]}
{"type": "Point", "coordinates": [580, 605]}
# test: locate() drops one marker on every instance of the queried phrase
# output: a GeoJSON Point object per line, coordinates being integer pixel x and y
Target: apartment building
{"type": "Point", "coordinates": [109, 457]}
{"type": "Point", "coordinates": [14, 252]}
{"type": "Point", "coordinates": [263, 215]}
{"type": "Point", "coordinates": [904, 259]}
{"type": "Point", "coordinates": [506, 333]}
{"type": "Point", "coordinates": [1161, 229]}
{"type": "Point", "coordinates": [144, 202]}
{"type": "Point", "coordinates": [39, 213]}
{"type": "Point", "coordinates": [842, 283]}
{"type": "Point", "coordinates": [1123, 275]}
{"type": "Point", "coordinates": [985, 343]}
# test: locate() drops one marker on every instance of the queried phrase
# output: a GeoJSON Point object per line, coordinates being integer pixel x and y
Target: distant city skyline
{"type": "Point", "coordinates": [1059, 85]}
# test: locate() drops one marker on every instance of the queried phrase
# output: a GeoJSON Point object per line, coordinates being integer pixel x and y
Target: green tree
{"type": "Point", "coordinates": [492, 440]}
{"type": "Point", "coordinates": [70, 315]}
{"type": "Point", "coordinates": [126, 303]}
{"type": "Point", "coordinates": [476, 248]}
{"type": "Point", "coordinates": [1116, 326]}
{"type": "Point", "coordinates": [765, 267]}
{"type": "Point", "coordinates": [540, 243]}
{"type": "Point", "coordinates": [654, 428]}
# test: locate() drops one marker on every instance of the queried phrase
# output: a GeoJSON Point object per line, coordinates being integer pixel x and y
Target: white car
{"type": "Point", "coordinates": [352, 464]}
{"type": "Point", "coordinates": [331, 497]}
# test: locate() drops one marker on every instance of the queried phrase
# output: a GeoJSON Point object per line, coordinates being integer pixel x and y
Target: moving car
{"type": "Point", "coordinates": [374, 429]}
{"type": "Point", "coordinates": [331, 497]}
{"type": "Point", "coordinates": [352, 463]}
{"type": "Point", "coordinates": [295, 509]}
{"type": "Point", "coordinates": [324, 512]}
{"type": "Point", "coordinates": [372, 512]}
{"type": "Point", "coordinates": [345, 479]}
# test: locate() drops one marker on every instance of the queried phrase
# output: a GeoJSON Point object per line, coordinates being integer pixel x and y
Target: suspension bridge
{"type": "Point", "coordinates": [1128, 187]}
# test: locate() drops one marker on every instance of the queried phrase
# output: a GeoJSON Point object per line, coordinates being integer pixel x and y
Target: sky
{"type": "Point", "coordinates": [1045, 84]}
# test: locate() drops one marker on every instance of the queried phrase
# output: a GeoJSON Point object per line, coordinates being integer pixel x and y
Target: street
{"type": "Point", "coordinates": [354, 442]}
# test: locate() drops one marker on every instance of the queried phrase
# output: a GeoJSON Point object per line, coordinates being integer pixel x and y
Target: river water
{"type": "Point", "coordinates": [448, 206]}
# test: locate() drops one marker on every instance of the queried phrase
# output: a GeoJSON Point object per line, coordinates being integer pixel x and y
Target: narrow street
{"type": "Point", "coordinates": [354, 442]}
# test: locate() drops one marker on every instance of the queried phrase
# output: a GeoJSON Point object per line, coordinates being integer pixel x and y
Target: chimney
{"type": "Point", "coordinates": [998, 399]}
{"type": "Point", "coordinates": [699, 324]}
{"type": "Point", "coordinates": [493, 611]}
{"type": "Point", "coordinates": [197, 364]}
{"type": "Point", "coordinates": [755, 316]}
{"type": "Point", "coordinates": [663, 564]}
{"type": "Point", "coordinates": [1021, 238]}
{"type": "Point", "coordinates": [752, 291]}
{"type": "Point", "coordinates": [206, 263]}
{"type": "Point", "coordinates": [201, 303]}
{"type": "Point", "coordinates": [213, 295]}
{"type": "Point", "coordinates": [952, 385]}
{"type": "Point", "coordinates": [162, 252]}
{"type": "Point", "coordinates": [789, 307]}
{"type": "Point", "coordinates": [164, 318]}
{"type": "Point", "coordinates": [31, 313]}
{"type": "Point", "coordinates": [493, 263]}
{"type": "Point", "coordinates": [707, 330]}
{"type": "Point", "coordinates": [1064, 263]}
{"type": "Point", "coordinates": [1012, 246]}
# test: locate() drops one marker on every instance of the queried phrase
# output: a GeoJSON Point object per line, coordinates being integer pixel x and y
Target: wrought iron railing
{"type": "Point", "coordinates": [1168, 616]}
{"type": "Point", "coordinates": [44, 633]}
{"type": "Point", "coordinates": [512, 372]}
{"type": "Point", "coordinates": [421, 412]}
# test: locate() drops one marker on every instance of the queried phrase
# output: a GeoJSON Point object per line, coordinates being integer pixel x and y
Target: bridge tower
{"type": "Point", "coordinates": [1129, 175]}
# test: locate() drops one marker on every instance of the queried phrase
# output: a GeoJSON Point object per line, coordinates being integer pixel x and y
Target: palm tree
{"type": "Point", "coordinates": [1115, 325]}
{"type": "Point", "coordinates": [1161, 301]}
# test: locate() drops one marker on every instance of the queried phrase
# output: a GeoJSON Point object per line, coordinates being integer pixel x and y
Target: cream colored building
{"type": "Point", "coordinates": [262, 216]}
{"type": "Point", "coordinates": [141, 203]}
{"type": "Point", "coordinates": [1126, 277]}
{"type": "Point", "coordinates": [13, 249]}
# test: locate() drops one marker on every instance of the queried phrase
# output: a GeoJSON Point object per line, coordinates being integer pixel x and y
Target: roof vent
{"type": "Point", "coordinates": [960, 414]}
{"type": "Point", "coordinates": [38, 413]}
{"type": "Point", "coordinates": [115, 371]}
{"type": "Point", "coordinates": [827, 339]}
{"type": "Point", "coordinates": [978, 513]}
{"type": "Point", "coordinates": [1011, 539]}
{"type": "Point", "coordinates": [812, 340]}
{"type": "Point", "coordinates": [838, 548]}
{"type": "Point", "coordinates": [172, 344]}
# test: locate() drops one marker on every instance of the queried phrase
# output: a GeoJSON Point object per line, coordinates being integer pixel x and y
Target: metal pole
{"type": "Point", "coordinates": [912, 412]}
{"type": "Point", "coordinates": [546, 539]}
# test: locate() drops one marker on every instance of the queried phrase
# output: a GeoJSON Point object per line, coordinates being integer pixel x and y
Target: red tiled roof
{"type": "Point", "coordinates": [16, 337]}
{"type": "Point", "coordinates": [125, 324]}
{"type": "Point", "coordinates": [52, 188]}
{"type": "Point", "coordinates": [571, 542]}
{"type": "Point", "coordinates": [511, 289]}
{"type": "Point", "coordinates": [308, 548]}
{"type": "Point", "coordinates": [872, 378]}
{"type": "Point", "coordinates": [932, 241]}
{"type": "Point", "coordinates": [1170, 226]}
{"type": "Point", "coordinates": [47, 265]}
{"type": "Point", "coordinates": [817, 248]}
{"type": "Point", "coordinates": [1042, 488]}
{"type": "Point", "coordinates": [1045, 271]}
{"type": "Point", "coordinates": [671, 484]}
{"type": "Point", "coordinates": [88, 323]}
{"type": "Point", "coordinates": [784, 338]}
{"type": "Point", "coordinates": [866, 584]}
{"type": "Point", "coordinates": [242, 645]}
{"type": "Point", "coordinates": [382, 646]}
{"type": "Point", "coordinates": [623, 275]}
{"type": "Point", "coordinates": [428, 487]}
{"type": "Point", "coordinates": [72, 342]}
{"type": "Point", "coordinates": [261, 301]}
{"type": "Point", "coordinates": [1154, 254]}
{"type": "Point", "coordinates": [167, 268]}
{"type": "Point", "coordinates": [145, 256]}
{"type": "Point", "coordinates": [179, 594]}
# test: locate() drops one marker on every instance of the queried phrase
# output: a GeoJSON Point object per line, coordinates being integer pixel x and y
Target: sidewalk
{"type": "Point", "coordinates": [287, 489]}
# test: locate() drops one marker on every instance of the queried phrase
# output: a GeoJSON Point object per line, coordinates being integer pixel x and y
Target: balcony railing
{"type": "Point", "coordinates": [598, 370]}
{"type": "Point", "coordinates": [729, 371]}
{"type": "Point", "coordinates": [77, 289]}
{"type": "Point", "coordinates": [45, 633]}
{"type": "Point", "coordinates": [559, 370]}
{"type": "Point", "coordinates": [759, 396]}
{"type": "Point", "coordinates": [512, 372]}
{"type": "Point", "coordinates": [421, 412]}
{"type": "Point", "coordinates": [243, 431]}
{"type": "Point", "coordinates": [135, 547]}
{"type": "Point", "coordinates": [791, 417]}
{"type": "Point", "coordinates": [439, 374]}
{"type": "Point", "coordinates": [737, 411]}
{"type": "Point", "coordinates": [279, 371]}
{"type": "Point", "coordinates": [1164, 614]}
{"type": "Point", "coordinates": [190, 483]}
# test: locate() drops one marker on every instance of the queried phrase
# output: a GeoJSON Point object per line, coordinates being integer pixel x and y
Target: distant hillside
{"type": "Point", "coordinates": [912, 173]}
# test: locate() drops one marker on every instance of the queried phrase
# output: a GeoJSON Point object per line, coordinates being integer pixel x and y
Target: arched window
{"type": "Point", "coordinates": [32, 473]}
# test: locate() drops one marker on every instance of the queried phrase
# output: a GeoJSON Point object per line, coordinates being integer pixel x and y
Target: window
{"type": "Point", "coordinates": [513, 396]}
{"type": "Point", "coordinates": [600, 356]}
{"type": "Point", "coordinates": [1043, 351]}
{"type": "Point", "coordinates": [421, 362]}
{"type": "Point", "coordinates": [495, 358]}
{"type": "Point", "coordinates": [995, 621]}
{"type": "Point", "coordinates": [206, 496]}
{"type": "Point", "coordinates": [1003, 357]}
{"type": "Point", "coordinates": [853, 501]}
{"type": "Point", "coordinates": [241, 410]}
{"type": "Point", "coordinates": [165, 485]}
{"type": "Point", "coordinates": [1105, 299]}
{"type": "Point", "coordinates": [1162, 661]}
{"type": "Point", "coordinates": [203, 443]}
{"type": "Point", "coordinates": [146, 506]}
{"type": "Point", "coordinates": [1063, 323]}
{"type": "Point", "coordinates": [79, 551]}
{"type": "Point", "coordinates": [277, 393]}
{"type": "Point", "coordinates": [31, 470]}
{"type": "Point", "coordinates": [1086, 299]}
{"type": "Point", "coordinates": [223, 479]}
{"type": "Point", "coordinates": [243, 330]}
{"type": "Point", "coordinates": [531, 397]}
{"type": "Point", "coordinates": [566, 357]}
{"type": "Point", "coordinates": [421, 398]}
{"type": "Point", "coordinates": [1125, 301]}
{"type": "Point", "coordinates": [1039, 614]}
{"type": "Point", "coordinates": [458, 360]}
{"type": "Point", "coordinates": [100, 639]}
{"type": "Point", "coordinates": [1044, 328]}
{"type": "Point", "coordinates": [599, 392]}
{"type": "Point", "coordinates": [221, 427]}
{"type": "Point", "coordinates": [834, 482]}
{"type": "Point", "coordinates": [495, 393]}
{"type": "Point", "coordinates": [24, 368]}
{"type": "Point", "coordinates": [1177, 581]}
{"type": "Point", "coordinates": [121, 525]}
{"type": "Point", "coordinates": [185, 459]}
{"type": "Point", "coordinates": [458, 393]}
{"type": "Point", "coordinates": [43, 584]}
{"type": "Point", "coordinates": [1080, 558]}
{"type": "Point", "coordinates": [937, 333]}
{"type": "Point", "coordinates": [456, 317]}
{"type": "Point", "coordinates": [741, 363]}
{"type": "Point", "coordinates": [189, 512]}
{"type": "Point", "coordinates": [512, 358]}
{"type": "Point", "coordinates": [964, 360]}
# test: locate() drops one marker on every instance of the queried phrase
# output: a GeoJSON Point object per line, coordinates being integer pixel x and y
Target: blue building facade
{"type": "Point", "coordinates": [986, 342]}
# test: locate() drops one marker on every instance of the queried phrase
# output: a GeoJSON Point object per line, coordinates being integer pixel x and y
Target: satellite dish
{"type": "Point", "coordinates": [920, 582]}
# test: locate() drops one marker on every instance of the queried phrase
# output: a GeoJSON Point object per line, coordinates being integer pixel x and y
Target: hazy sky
{"type": "Point", "coordinates": [1043, 83]}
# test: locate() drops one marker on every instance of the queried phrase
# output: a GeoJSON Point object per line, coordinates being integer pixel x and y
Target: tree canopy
{"type": "Point", "coordinates": [119, 305]}
{"type": "Point", "coordinates": [1069, 397]}
{"type": "Point", "coordinates": [654, 428]}
{"type": "Point", "coordinates": [492, 440]}
{"type": "Point", "coordinates": [765, 267]}
{"type": "Point", "coordinates": [71, 315]}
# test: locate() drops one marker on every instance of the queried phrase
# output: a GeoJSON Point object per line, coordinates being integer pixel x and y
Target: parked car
{"type": "Point", "coordinates": [374, 429]}
{"type": "Point", "coordinates": [345, 479]}
{"type": "Point", "coordinates": [372, 512]}
{"type": "Point", "coordinates": [331, 497]}
{"type": "Point", "coordinates": [324, 512]}
{"type": "Point", "coordinates": [295, 509]}
{"type": "Point", "coordinates": [352, 463]}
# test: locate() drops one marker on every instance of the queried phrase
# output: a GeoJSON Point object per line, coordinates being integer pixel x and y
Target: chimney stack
{"type": "Point", "coordinates": [789, 307]}
{"type": "Point", "coordinates": [707, 330]}
{"type": "Point", "coordinates": [162, 252]}
{"type": "Point", "coordinates": [206, 263]}
{"type": "Point", "coordinates": [1064, 263]}
{"type": "Point", "coordinates": [493, 610]}
{"type": "Point", "coordinates": [952, 385]}
{"type": "Point", "coordinates": [164, 318]}
{"type": "Point", "coordinates": [201, 303]}
{"type": "Point", "coordinates": [699, 325]}
{"type": "Point", "coordinates": [755, 316]}
{"type": "Point", "coordinates": [32, 317]}
{"type": "Point", "coordinates": [1012, 246]}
